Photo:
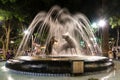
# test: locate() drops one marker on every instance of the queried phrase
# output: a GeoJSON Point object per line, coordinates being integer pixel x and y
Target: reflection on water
{"type": "Point", "coordinates": [6, 74]}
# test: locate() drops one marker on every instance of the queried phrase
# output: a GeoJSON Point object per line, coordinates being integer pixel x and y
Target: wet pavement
{"type": "Point", "coordinates": [6, 74]}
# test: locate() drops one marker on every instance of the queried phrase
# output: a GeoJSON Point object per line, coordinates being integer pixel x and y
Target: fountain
{"type": "Point", "coordinates": [57, 37]}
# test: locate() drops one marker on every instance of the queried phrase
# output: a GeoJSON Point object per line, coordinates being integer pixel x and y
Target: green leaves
{"type": "Point", "coordinates": [114, 21]}
{"type": "Point", "coordinates": [11, 10]}
{"type": "Point", "coordinates": [1, 18]}
{"type": "Point", "coordinates": [5, 15]}
{"type": "Point", "coordinates": [5, 1]}
{"type": "Point", "coordinates": [19, 17]}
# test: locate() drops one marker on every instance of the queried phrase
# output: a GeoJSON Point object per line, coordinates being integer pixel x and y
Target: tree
{"type": "Point", "coordinates": [11, 21]}
{"type": "Point", "coordinates": [115, 23]}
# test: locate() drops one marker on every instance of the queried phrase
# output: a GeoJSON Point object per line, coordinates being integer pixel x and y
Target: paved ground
{"type": "Point", "coordinates": [5, 74]}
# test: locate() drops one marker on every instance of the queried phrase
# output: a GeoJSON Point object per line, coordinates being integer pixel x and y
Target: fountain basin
{"type": "Point", "coordinates": [74, 65]}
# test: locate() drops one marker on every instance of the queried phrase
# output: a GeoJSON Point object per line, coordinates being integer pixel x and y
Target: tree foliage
{"type": "Point", "coordinates": [115, 23]}
{"type": "Point", "coordinates": [11, 23]}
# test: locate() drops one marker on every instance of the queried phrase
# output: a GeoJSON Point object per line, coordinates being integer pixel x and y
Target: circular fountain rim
{"type": "Point", "coordinates": [58, 65]}
{"type": "Point", "coordinates": [55, 57]}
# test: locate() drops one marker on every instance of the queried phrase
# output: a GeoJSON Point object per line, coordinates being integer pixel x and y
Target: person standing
{"type": "Point", "coordinates": [114, 53]}
{"type": "Point", "coordinates": [8, 55]}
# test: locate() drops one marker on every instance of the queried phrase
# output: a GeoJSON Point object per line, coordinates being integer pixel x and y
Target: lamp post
{"type": "Point", "coordinates": [98, 26]}
{"type": "Point", "coordinates": [104, 36]}
{"type": "Point", "coordinates": [102, 25]}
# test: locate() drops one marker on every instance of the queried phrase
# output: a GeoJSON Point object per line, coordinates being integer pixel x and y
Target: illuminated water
{"type": "Point", "coordinates": [72, 32]}
{"type": "Point", "coordinates": [5, 74]}
{"type": "Point", "coordinates": [69, 31]}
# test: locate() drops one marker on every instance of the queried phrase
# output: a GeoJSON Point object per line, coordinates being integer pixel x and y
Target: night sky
{"type": "Point", "coordinates": [91, 8]}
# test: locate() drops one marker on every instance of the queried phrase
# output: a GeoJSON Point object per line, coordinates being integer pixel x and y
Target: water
{"type": "Point", "coordinates": [70, 30]}
{"type": "Point", "coordinates": [6, 74]}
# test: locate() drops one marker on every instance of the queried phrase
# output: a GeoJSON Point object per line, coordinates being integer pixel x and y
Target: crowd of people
{"type": "Point", "coordinates": [114, 53]}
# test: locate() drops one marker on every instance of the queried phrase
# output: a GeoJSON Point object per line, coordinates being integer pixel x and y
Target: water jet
{"type": "Point", "coordinates": [64, 54]}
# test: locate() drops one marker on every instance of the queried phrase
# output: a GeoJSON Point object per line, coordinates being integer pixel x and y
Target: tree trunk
{"type": "Point", "coordinates": [117, 41]}
{"type": "Point", "coordinates": [7, 38]}
{"type": "Point", "coordinates": [5, 41]}
{"type": "Point", "coordinates": [4, 52]}
{"type": "Point", "coordinates": [105, 40]}
{"type": "Point", "coordinates": [3, 47]}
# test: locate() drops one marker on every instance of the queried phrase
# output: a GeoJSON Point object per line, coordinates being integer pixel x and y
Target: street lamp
{"type": "Point", "coordinates": [99, 26]}
{"type": "Point", "coordinates": [104, 36]}
{"type": "Point", "coordinates": [102, 23]}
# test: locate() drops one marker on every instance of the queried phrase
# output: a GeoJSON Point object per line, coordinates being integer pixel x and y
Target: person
{"type": "Point", "coordinates": [114, 53]}
{"type": "Point", "coordinates": [8, 55]}
{"type": "Point", "coordinates": [37, 49]}
{"type": "Point", "coordinates": [49, 46]}
{"type": "Point", "coordinates": [110, 54]}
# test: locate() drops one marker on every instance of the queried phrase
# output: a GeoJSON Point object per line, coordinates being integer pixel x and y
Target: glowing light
{"type": "Point", "coordinates": [94, 25]}
{"type": "Point", "coordinates": [102, 23]}
{"type": "Point", "coordinates": [11, 42]}
{"type": "Point", "coordinates": [110, 60]}
{"type": "Point", "coordinates": [26, 32]}
{"type": "Point", "coordinates": [89, 45]}
{"type": "Point", "coordinates": [93, 39]}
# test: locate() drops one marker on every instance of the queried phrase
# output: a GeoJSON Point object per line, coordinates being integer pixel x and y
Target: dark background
{"type": "Point", "coordinates": [93, 9]}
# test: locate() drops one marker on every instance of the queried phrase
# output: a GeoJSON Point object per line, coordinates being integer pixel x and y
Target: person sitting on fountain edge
{"type": "Point", "coordinates": [49, 46]}
{"type": "Point", "coordinates": [37, 49]}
